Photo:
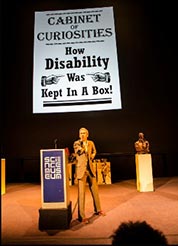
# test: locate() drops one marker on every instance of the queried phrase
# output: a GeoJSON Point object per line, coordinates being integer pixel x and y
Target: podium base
{"type": "Point", "coordinates": [54, 219]}
{"type": "Point", "coordinates": [144, 172]}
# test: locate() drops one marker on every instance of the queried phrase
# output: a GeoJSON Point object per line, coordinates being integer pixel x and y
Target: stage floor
{"type": "Point", "coordinates": [121, 202]}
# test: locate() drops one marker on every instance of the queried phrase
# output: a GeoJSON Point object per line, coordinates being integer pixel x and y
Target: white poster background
{"type": "Point", "coordinates": [75, 61]}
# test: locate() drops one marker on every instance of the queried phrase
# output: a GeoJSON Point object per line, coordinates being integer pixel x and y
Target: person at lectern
{"type": "Point", "coordinates": [142, 146]}
{"type": "Point", "coordinates": [85, 152]}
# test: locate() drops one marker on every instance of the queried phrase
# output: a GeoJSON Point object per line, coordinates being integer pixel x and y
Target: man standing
{"type": "Point", "coordinates": [85, 152]}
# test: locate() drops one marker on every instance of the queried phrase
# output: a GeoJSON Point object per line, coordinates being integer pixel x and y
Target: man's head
{"type": "Point", "coordinates": [83, 134]}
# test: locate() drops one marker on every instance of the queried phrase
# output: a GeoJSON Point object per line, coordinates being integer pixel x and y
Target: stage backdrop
{"type": "Point", "coordinates": [75, 61]}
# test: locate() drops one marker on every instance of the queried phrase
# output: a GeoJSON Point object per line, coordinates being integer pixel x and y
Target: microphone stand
{"type": "Point", "coordinates": [55, 143]}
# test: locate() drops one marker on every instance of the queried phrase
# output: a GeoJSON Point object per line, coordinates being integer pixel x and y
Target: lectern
{"type": "Point", "coordinates": [55, 212]}
{"type": "Point", "coordinates": [144, 172]}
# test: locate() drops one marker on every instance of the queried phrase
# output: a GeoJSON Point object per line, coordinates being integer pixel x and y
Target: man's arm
{"type": "Point", "coordinates": [93, 151]}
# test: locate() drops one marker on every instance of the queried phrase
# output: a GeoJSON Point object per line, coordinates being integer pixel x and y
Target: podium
{"type": "Point", "coordinates": [3, 176]}
{"type": "Point", "coordinates": [144, 172]}
{"type": "Point", "coordinates": [55, 212]}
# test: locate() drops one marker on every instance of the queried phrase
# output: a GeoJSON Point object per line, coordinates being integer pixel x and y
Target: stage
{"type": "Point", "coordinates": [121, 201]}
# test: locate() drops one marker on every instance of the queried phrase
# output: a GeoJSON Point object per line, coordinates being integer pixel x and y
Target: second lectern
{"type": "Point", "coordinates": [144, 172]}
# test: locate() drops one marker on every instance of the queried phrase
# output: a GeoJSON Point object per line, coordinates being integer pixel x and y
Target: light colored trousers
{"type": "Point", "coordinates": [93, 186]}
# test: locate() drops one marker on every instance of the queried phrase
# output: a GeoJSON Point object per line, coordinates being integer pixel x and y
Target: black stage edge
{"type": "Point", "coordinates": [54, 219]}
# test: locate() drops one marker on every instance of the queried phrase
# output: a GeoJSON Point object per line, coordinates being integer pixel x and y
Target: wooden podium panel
{"type": "Point", "coordinates": [144, 172]}
{"type": "Point", "coordinates": [103, 171]}
{"type": "Point", "coordinates": [3, 176]}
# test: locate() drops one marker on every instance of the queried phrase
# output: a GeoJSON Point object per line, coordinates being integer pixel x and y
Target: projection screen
{"type": "Point", "coordinates": [75, 66]}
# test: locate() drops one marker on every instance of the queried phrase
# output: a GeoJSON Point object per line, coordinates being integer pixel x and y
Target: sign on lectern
{"type": "Point", "coordinates": [54, 178]}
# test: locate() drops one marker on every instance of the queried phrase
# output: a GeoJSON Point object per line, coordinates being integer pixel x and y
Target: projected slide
{"type": "Point", "coordinates": [75, 64]}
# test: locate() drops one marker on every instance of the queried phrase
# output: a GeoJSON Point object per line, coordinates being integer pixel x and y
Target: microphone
{"type": "Point", "coordinates": [55, 143]}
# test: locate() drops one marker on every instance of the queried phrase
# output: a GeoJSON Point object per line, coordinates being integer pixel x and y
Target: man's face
{"type": "Point", "coordinates": [83, 135]}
